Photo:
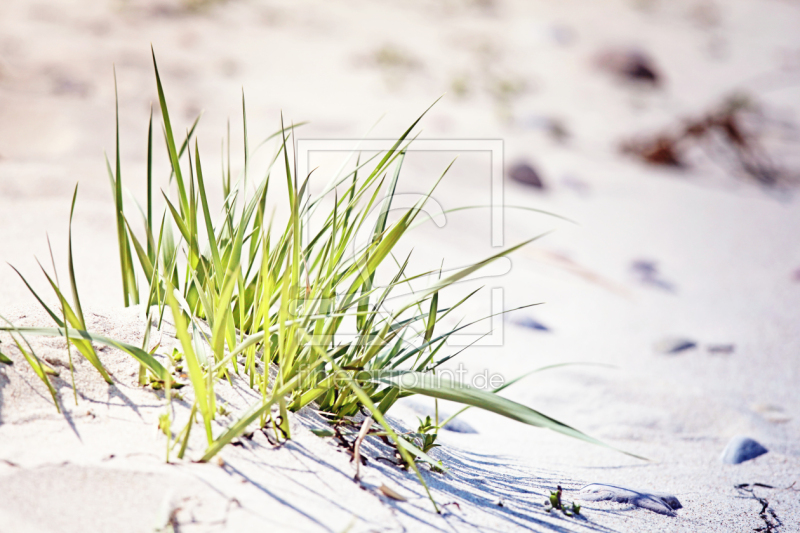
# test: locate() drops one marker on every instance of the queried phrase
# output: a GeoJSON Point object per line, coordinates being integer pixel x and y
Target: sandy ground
{"type": "Point", "coordinates": [726, 251]}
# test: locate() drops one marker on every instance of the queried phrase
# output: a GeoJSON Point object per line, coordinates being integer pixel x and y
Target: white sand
{"type": "Point", "coordinates": [728, 247]}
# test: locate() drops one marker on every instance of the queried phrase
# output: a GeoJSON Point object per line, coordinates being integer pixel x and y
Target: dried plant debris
{"type": "Point", "coordinates": [731, 134]}
{"type": "Point", "coordinates": [767, 514]}
{"type": "Point", "coordinates": [657, 502]}
{"type": "Point", "coordinates": [391, 493]}
{"type": "Point", "coordinates": [629, 65]}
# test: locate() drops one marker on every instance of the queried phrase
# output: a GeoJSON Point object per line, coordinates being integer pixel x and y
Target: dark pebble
{"type": "Point", "coordinates": [633, 65]}
{"type": "Point", "coordinates": [672, 345]}
{"type": "Point", "coordinates": [530, 323]}
{"type": "Point", "coordinates": [524, 173]}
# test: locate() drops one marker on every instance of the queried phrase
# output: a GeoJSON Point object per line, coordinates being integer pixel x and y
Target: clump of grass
{"type": "Point", "coordinates": [247, 295]}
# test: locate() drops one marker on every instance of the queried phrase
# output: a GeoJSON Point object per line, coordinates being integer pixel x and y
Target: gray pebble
{"type": "Point", "coordinates": [741, 449]}
{"type": "Point", "coordinates": [657, 502]}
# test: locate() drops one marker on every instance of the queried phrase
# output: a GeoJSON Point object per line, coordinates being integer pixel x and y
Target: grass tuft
{"type": "Point", "coordinates": [263, 296]}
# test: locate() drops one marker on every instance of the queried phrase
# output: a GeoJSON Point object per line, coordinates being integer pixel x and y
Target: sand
{"type": "Point", "coordinates": [725, 250]}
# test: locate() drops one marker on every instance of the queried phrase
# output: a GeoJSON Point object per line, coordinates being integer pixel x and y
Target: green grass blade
{"type": "Point", "coordinates": [445, 389]}
{"type": "Point", "coordinates": [80, 335]}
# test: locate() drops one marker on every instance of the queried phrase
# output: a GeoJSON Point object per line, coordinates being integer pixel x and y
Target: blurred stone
{"type": "Point", "coordinates": [524, 173]}
{"type": "Point", "coordinates": [673, 345]}
{"type": "Point", "coordinates": [741, 449]}
{"type": "Point", "coordinates": [530, 323]}
{"type": "Point", "coordinates": [629, 64]}
{"type": "Point", "coordinates": [647, 272]}
{"type": "Point", "coordinates": [554, 127]}
{"type": "Point", "coordinates": [657, 502]}
{"type": "Point", "coordinates": [576, 184]}
{"type": "Point", "coordinates": [721, 349]}
{"type": "Point", "coordinates": [563, 35]}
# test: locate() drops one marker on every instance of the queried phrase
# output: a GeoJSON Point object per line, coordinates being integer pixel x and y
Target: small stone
{"type": "Point", "coordinates": [530, 323]}
{"type": "Point", "coordinates": [674, 345]}
{"type": "Point", "coordinates": [658, 502]}
{"type": "Point", "coordinates": [524, 173]}
{"type": "Point", "coordinates": [741, 449]}
{"type": "Point", "coordinates": [630, 64]}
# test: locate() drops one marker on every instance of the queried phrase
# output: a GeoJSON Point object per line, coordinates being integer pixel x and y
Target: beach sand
{"type": "Point", "coordinates": [657, 253]}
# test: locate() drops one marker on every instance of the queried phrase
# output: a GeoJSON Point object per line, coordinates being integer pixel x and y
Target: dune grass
{"type": "Point", "coordinates": [248, 295]}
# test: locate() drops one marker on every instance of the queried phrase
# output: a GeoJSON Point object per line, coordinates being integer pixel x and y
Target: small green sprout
{"type": "Point", "coordinates": [554, 502]}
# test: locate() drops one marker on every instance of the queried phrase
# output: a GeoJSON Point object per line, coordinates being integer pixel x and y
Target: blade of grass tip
{"type": "Point", "coordinates": [35, 295]}
{"type": "Point", "coordinates": [64, 316]}
{"type": "Point", "coordinates": [445, 389]}
{"type": "Point", "coordinates": [73, 285]}
{"type": "Point", "coordinates": [80, 335]}
{"type": "Point", "coordinates": [82, 345]}
{"type": "Point", "coordinates": [227, 178]}
{"type": "Point", "coordinates": [86, 348]}
{"type": "Point", "coordinates": [185, 143]}
{"type": "Point", "coordinates": [520, 378]}
{"type": "Point", "coordinates": [380, 227]}
{"type": "Point", "coordinates": [466, 272]}
{"type": "Point", "coordinates": [116, 184]}
{"type": "Point", "coordinates": [246, 147]}
{"type": "Point", "coordinates": [129, 284]}
{"type": "Point", "coordinates": [170, 139]}
{"type": "Point", "coordinates": [32, 359]}
{"type": "Point", "coordinates": [150, 250]}
{"type": "Point", "coordinates": [212, 241]}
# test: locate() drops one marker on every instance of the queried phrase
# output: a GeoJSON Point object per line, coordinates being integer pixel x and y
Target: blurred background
{"type": "Point", "coordinates": [588, 98]}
